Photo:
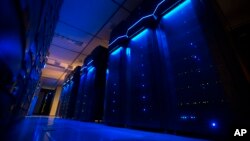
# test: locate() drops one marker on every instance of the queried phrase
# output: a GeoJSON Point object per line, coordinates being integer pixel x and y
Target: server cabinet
{"type": "Point", "coordinates": [62, 101]}
{"type": "Point", "coordinates": [69, 94]}
{"type": "Point", "coordinates": [88, 95]}
{"type": "Point", "coordinates": [201, 104]}
{"type": "Point", "coordinates": [145, 97]}
{"type": "Point", "coordinates": [80, 96]}
{"type": "Point", "coordinates": [116, 94]}
{"type": "Point", "coordinates": [92, 86]}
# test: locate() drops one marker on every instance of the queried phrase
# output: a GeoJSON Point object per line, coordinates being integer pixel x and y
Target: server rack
{"type": "Point", "coordinates": [92, 86]}
{"type": "Point", "coordinates": [115, 107]}
{"type": "Point", "coordinates": [88, 92]}
{"type": "Point", "coordinates": [181, 75]}
{"type": "Point", "coordinates": [29, 33]}
{"type": "Point", "coordinates": [145, 97]}
{"type": "Point", "coordinates": [80, 95]}
{"type": "Point", "coordinates": [201, 104]}
{"type": "Point", "coordinates": [69, 94]}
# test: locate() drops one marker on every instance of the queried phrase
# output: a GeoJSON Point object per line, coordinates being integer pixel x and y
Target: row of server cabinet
{"type": "Point", "coordinates": [83, 91]}
{"type": "Point", "coordinates": [26, 30]}
{"type": "Point", "coordinates": [162, 75]}
{"type": "Point", "coordinates": [164, 72]}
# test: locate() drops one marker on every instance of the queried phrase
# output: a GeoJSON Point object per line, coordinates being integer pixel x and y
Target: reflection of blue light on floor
{"type": "Point", "coordinates": [43, 128]}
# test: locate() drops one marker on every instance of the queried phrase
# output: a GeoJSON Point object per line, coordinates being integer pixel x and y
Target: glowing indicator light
{"type": "Point", "coordinates": [213, 124]}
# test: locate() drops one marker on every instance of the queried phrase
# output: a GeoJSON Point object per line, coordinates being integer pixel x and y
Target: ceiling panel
{"type": "Point", "coordinates": [61, 54]}
{"type": "Point", "coordinates": [67, 44]}
{"type": "Point", "coordinates": [89, 15]}
{"type": "Point", "coordinates": [52, 72]}
{"type": "Point", "coordinates": [72, 33]}
{"type": "Point", "coordinates": [132, 4]}
{"type": "Point", "coordinates": [117, 18]}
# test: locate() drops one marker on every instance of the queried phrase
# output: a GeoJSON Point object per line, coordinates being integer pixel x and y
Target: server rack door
{"type": "Point", "coordinates": [80, 96]}
{"type": "Point", "coordinates": [88, 95]}
{"type": "Point", "coordinates": [145, 99]}
{"type": "Point", "coordinates": [67, 99]}
{"type": "Point", "coordinates": [115, 99]}
{"type": "Point", "coordinates": [62, 100]}
{"type": "Point", "coordinates": [201, 105]}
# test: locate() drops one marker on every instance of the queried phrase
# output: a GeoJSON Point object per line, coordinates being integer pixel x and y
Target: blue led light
{"type": "Point", "coordinates": [192, 117]}
{"type": "Point", "coordinates": [148, 16]}
{"type": "Point", "coordinates": [176, 9]}
{"type": "Point", "coordinates": [183, 117]}
{"type": "Point", "coordinates": [139, 21]}
{"type": "Point", "coordinates": [145, 31]}
{"type": "Point", "coordinates": [90, 62]}
{"type": "Point", "coordinates": [83, 68]}
{"type": "Point", "coordinates": [158, 6]}
{"type": "Point", "coordinates": [120, 37]}
{"type": "Point", "coordinates": [128, 51]}
{"type": "Point", "coordinates": [107, 72]}
{"type": "Point", "coordinates": [213, 124]}
{"type": "Point", "coordinates": [91, 68]}
{"type": "Point", "coordinates": [115, 52]}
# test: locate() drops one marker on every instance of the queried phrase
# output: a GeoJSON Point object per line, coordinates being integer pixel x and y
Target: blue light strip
{"type": "Point", "coordinates": [176, 9]}
{"type": "Point", "coordinates": [138, 22]}
{"type": "Point", "coordinates": [90, 62]}
{"type": "Point", "coordinates": [141, 34]}
{"type": "Point", "coordinates": [83, 68]}
{"type": "Point", "coordinates": [116, 51]}
{"type": "Point", "coordinates": [128, 51]}
{"type": "Point", "coordinates": [91, 69]}
{"type": "Point", "coordinates": [119, 37]}
{"type": "Point", "coordinates": [158, 6]}
{"type": "Point", "coordinates": [144, 17]}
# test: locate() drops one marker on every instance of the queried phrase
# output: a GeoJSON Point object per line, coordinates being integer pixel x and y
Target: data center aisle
{"type": "Point", "coordinates": [57, 129]}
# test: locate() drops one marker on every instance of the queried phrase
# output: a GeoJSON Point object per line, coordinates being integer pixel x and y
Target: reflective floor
{"type": "Point", "coordinates": [56, 129]}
